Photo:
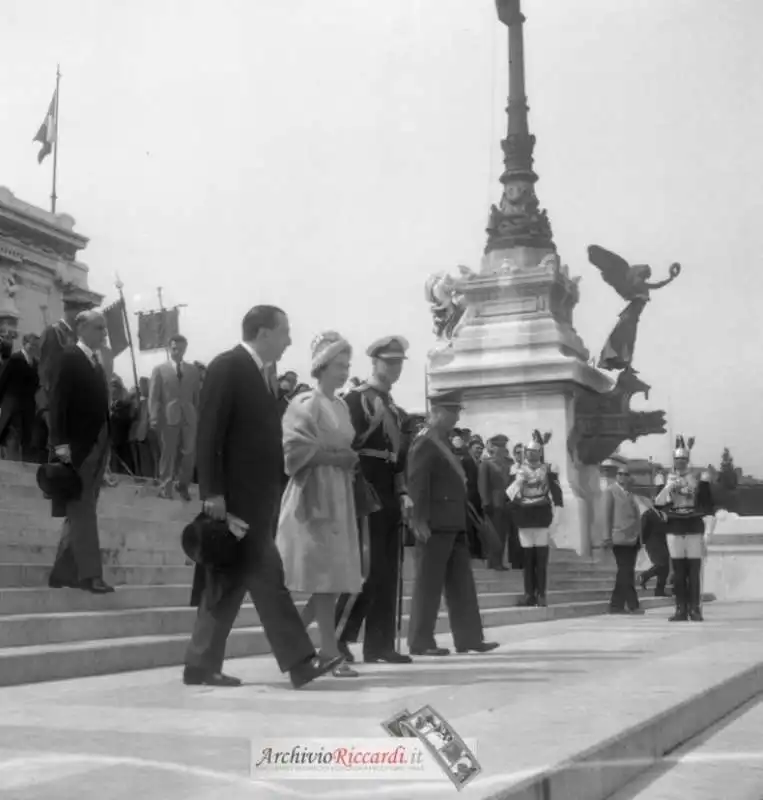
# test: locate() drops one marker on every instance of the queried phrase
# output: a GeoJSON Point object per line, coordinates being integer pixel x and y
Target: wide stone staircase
{"type": "Point", "coordinates": [50, 634]}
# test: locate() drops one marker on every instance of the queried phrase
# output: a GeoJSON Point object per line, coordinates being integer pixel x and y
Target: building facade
{"type": "Point", "coordinates": [39, 267]}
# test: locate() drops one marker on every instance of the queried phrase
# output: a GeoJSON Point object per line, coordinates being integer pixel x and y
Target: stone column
{"type": "Point", "coordinates": [517, 221]}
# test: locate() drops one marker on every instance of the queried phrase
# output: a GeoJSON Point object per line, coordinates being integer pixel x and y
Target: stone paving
{"type": "Point", "coordinates": [724, 763]}
{"type": "Point", "coordinates": [551, 691]}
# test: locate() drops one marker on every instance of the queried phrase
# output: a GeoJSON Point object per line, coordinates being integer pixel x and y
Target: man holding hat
{"type": "Point", "coordinates": [378, 441]}
{"type": "Point", "coordinates": [54, 339]}
{"type": "Point", "coordinates": [439, 490]}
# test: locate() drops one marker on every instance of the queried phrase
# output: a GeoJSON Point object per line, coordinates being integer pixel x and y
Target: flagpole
{"type": "Point", "coordinates": [161, 308]}
{"type": "Point", "coordinates": [120, 286]}
{"type": "Point", "coordinates": [54, 196]}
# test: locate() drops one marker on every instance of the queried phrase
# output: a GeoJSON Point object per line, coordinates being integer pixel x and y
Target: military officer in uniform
{"type": "Point", "coordinates": [378, 441]}
{"type": "Point", "coordinates": [686, 500]}
{"type": "Point", "coordinates": [440, 493]}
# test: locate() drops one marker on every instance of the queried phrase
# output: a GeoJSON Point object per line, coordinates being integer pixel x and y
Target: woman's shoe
{"type": "Point", "coordinates": [344, 670]}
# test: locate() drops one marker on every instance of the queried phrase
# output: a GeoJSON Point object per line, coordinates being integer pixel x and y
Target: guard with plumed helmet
{"type": "Point", "coordinates": [534, 491]}
{"type": "Point", "coordinates": [686, 499]}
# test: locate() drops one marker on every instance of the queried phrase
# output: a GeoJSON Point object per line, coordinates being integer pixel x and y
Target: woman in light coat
{"type": "Point", "coordinates": [317, 529]}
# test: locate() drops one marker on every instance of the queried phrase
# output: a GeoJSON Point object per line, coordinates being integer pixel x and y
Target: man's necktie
{"type": "Point", "coordinates": [179, 371]}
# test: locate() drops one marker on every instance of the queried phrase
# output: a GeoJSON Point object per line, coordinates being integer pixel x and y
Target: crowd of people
{"type": "Point", "coordinates": [318, 489]}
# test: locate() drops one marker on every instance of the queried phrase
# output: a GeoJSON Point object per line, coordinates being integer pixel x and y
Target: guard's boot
{"type": "Point", "coordinates": [541, 574]}
{"type": "Point", "coordinates": [679, 590]}
{"type": "Point", "coordinates": [694, 589]}
{"type": "Point", "coordinates": [529, 577]}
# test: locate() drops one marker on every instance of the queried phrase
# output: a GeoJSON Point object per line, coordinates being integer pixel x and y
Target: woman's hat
{"type": "Point", "coordinates": [209, 543]}
{"type": "Point", "coordinates": [326, 347]}
{"type": "Point", "coordinates": [60, 483]}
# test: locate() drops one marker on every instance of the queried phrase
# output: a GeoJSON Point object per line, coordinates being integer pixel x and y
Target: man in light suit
{"type": "Point", "coordinates": [240, 468]}
{"type": "Point", "coordinates": [173, 402]}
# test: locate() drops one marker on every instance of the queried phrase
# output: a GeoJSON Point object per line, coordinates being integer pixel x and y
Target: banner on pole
{"type": "Point", "coordinates": [156, 328]}
{"type": "Point", "coordinates": [116, 326]}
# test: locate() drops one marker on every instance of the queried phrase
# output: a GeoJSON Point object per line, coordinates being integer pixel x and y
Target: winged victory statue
{"type": "Point", "coordinates": [631, 282]}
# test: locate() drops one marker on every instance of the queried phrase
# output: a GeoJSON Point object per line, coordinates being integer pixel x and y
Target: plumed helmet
{"type": "Point", "coordinates": [538, 441]}
{"type": "Point", "coordinates": [683, 447]}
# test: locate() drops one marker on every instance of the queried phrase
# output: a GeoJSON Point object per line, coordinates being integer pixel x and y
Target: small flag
{"type": "Point", "coordinates": [115, 323]}
{"type": "Point", "coordinates": [156, 328]}
{"type": "Point", "coordinates": [48, 130]}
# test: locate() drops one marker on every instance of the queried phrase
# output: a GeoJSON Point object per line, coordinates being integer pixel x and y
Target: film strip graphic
{"type": "Point", "coordinates": [440, 739]}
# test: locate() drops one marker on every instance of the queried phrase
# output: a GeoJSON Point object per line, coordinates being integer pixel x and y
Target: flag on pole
{"type": "Point", "coordinates": [47, 133]}
{"type": "Point", "coordinates": [156, 328]}
{"type": "Point", "coordinates": [115, 324]}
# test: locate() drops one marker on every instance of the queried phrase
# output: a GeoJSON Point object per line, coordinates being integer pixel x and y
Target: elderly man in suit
{"type": "Point", "coordinates": [173, 402]}
{"type": "Point", "coordinates": [79, 425]}
{"type": "Point", "coordinates": [19, 383]}
{"type": "Point", "coordinates": [240, 464]}
{"type": "Point", "coordinates": [438, 488]}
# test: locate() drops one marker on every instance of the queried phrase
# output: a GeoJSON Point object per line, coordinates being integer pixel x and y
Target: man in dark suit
{"type": "Point", "coordinates": [18, 385]}
{"type": "Point", "coordinates": [240, 466]}
{"type": "Point", "coordinates": [438, 489]}
{"type": "Point", "coordinates": [79, 433]}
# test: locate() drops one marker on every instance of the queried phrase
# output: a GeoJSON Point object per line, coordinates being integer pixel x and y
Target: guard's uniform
{"type": "Point", "coordinates": [379, 443]}
{"type": "Point", "coordinates": [533, 492]}
{"type": "Point", "coordinates": [686, 500]}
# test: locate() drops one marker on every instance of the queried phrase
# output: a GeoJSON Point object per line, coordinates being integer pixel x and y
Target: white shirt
{"type": "Point", "coordinates": [89, 353]}
{"type": "Point", "coordinates": [261, 365]}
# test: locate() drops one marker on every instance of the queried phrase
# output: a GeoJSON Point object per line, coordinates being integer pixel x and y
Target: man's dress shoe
{"type": "Point", "coordinates": [96, 586]}
{"type": "Point", "coordinates": [392, 657]}
{"type": "Point", "coordinates": [430, 651]}
{"type": "Point", "coordinates": [193, 676]}
{"type": "Point", "coordinates": [313, 668]}
{"type": "Point", "coordinates": [482, 647]}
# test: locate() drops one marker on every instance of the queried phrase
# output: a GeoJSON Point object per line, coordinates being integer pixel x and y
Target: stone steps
{"type": "Point", "coordinates": [34, 663]}
{"type": "Point", "coordinates": [48, 634]}
{"type": "Point", "coordinates": [58, 627]}
{"type": "Point", "coordinates": [722, 762]}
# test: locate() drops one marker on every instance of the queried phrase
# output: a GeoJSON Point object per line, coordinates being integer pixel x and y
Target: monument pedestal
{"type": "Point", "coordinates": [521, 365]}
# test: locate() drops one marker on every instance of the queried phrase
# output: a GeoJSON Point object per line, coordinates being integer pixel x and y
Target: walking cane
{"type": "Point", "coordinates": [399, 606]}
{"type": "Point", "coordinates": [364, 569]}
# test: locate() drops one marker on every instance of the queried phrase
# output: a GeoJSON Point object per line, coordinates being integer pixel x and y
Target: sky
{"type": "Point", "coordinates": [328, 157]}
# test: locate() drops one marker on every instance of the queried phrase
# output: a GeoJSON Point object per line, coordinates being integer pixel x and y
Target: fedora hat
{"type": "Point", "coordinates": [209, 543]}
{"type": "Point", "coordinates": [60, 483]}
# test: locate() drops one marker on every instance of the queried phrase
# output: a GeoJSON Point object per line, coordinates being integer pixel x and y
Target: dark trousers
{"type": "Point", "coordinates": [661, 572]}
{"type": "Point", "coordinates": [499, 518]}
{"type": "Point", "coordinates": [376, 604]}
{"type": "Point", "coordinates": [221, 600]}
{"type": "Point", "coordinates": [624, 594]}
{"type": "Point", "coordinates": [535, 571]}
{"type": "Point", "coordinates": [79, 554]}
{"type": "Point", "coordinates": [686, 583]}
{"type": "Point", "coordinates": [443, 563]}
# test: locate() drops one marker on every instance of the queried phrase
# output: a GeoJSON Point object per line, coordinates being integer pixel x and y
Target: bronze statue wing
{"type": "Point", "coordinates": [614, 269]}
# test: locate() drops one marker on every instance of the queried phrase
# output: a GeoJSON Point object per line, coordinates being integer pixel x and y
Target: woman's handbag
{"type": "Point", "coordinates": [366, 499]}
